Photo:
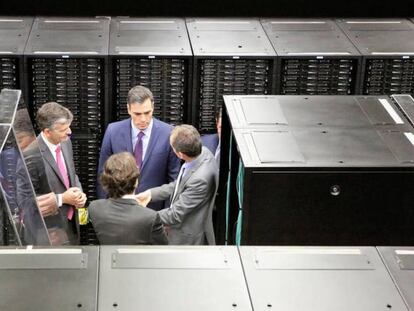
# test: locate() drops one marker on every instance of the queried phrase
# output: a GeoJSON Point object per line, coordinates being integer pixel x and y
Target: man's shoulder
{"type": "Point", "coordinates": [118, 124]}
{"type": "Point", "coordinates": [161, 125]}
{"type": "Point", "coordinates": [209, 138]}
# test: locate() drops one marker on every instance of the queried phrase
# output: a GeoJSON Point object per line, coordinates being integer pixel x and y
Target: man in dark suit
{"type": "Point", "coordinates": [212, 141]}
{"type": "Point", "coordinates": [55, 146]}
{"type": "Point", "coordinates": [144, 137]}
{"type": "Point", "coordinates": [119, 219]}
{"type": "Point", "coordinates": [192, 195]}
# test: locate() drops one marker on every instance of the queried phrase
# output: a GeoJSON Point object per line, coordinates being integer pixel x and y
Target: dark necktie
{"type": "Point", "coordinates": [139, 149]}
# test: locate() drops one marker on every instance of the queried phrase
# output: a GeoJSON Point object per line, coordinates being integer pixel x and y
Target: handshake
{"type": "Point", "coordinates": [143, 198]}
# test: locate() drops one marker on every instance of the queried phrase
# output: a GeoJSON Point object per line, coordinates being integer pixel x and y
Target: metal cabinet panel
{"type": "Point", "coordinates": [179, 278]}
{"type": "Point", "coordinates": [400, 264]}
{"type": "Point", "coordinates": [49, 278]}
{"type": "Point", "coordinates": [299, 278]}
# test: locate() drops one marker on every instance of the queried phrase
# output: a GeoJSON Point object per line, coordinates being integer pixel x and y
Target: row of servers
{"type": "Point", "coordinates": [236, 278]}
{"type": "Point", "coordinates": [189, 64]}
{"type": "Point", "coordinates": [89, 64]}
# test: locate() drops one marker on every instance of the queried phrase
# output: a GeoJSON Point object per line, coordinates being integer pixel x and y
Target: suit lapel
{"type": "Point", "coordinates": [152, 142]}
{"type": "Point", "coordinates": [126, 135]}
{"type": "Point", "coordinates": [48, 157]}
{"type": "Point", "coordinates": [187, 175]}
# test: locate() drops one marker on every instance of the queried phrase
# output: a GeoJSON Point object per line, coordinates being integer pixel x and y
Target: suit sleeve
{"type": "Point", "coordinates": [106, 152]}
{"type": "Point", "coordinates": [192, 196]}
{"type": "Point", "coordinates": [157, 235]}
{"type": "Point", "coordinates": [163, 192]}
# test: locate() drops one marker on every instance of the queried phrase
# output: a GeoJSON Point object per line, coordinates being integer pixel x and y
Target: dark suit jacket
{"type": "Point", "coordinates": [160, 164]}
{"type": "Point", "coordinates": [124, 222]}
{"type": "Point", "coordinates": [56, 180]}
{"type": "Point", "coordinates": [190, 213]}
{"type": "Point", "coordinates": [211, 142]}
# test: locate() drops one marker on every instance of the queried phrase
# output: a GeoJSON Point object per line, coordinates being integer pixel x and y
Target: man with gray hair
{"type": "Point", "coordinates": [147, 139]}
{"type": "Point", "coordinates": [192, 195]}
{"type": "Point", "coordinates": [54, 143]}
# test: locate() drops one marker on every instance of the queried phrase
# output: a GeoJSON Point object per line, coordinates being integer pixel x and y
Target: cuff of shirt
{"type": "Point", "coordinates": [59, 199]}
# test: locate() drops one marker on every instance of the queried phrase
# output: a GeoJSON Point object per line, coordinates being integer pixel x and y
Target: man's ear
{"type": "Point", "coordinates": [180, 155]}
{"type": "Point", "coordinates": [46, 132]}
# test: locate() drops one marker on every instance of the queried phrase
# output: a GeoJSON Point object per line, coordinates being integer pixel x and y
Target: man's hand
{"type": "Point", "coordinates": [74, 196]}
{"type": "Point", "coordinates": [47, 204]}
{"type": "Point", "coordinates": [81, 200]}
{"type": "Point", "coordinates": [143, 198]}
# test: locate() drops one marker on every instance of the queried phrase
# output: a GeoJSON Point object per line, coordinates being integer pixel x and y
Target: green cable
{"type": "Point", "coordinates": [228, 192]}
{"type": "Point", "coordinates": [239, 182]}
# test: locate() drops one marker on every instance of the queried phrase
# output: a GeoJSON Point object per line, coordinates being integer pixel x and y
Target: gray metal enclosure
{"type": "Point", "coordinates": [156, 53]}
{"type": "Point", "coordinates": [323, 279]}
{"type": "Point", "coordinates": [231, 56]}
{"type": "Point", "coordinates": [14, 32]}
{"type": "Point", "coordinates": [49, 278]}
{"type": "Point", "coordinates": [314, 57]}
{"type": "Point", "coordinates": [317, 170]}
{"type": "Point", "coordinates": [400, 263]}
{"type": "Point", "coordinates": [387, 48]}
{"type": "Point", "coordinates": [176, 278]}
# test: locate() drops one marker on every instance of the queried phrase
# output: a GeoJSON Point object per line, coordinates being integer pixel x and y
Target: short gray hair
{"type": "Point", "coordinates": [51, 113]}
{"type": "Point", "coordinates": [139, 94]}
{"type": "Point", "coordinates": [186, 139]}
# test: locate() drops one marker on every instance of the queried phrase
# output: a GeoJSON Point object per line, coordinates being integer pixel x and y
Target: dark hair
{"type": "Point", "coordinates": [186, 139]}
{"type": "Point", "coordinates": [120, 175]}
{"type": "Point", "coordinates": [139, 94]}
{"type": "Point", "coordinates": [51, 113]}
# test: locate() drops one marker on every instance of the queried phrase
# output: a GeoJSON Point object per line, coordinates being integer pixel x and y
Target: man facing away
{"type": "Point", "coordinates": [189, 217]}
{"type": "Point", "coordinates": [147, 139]}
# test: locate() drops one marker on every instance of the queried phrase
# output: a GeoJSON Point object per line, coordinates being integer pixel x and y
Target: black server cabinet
{"type": "Point", "coordinates": [155, 53]}
{"type": "Point", "coordinates": [316, 170]}
{"type": "Point", "coordinates": [66, 61]}
{"type": "Point", "coordinates": [14, 32]}
{"type": "Point", "coordinates": [314, 57]}
{"type": "Point", "coordinates": [387, 48]}
{"type": "Point", "coordinates": [231, 56]}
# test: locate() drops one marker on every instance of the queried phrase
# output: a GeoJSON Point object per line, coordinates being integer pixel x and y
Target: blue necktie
{"type": "Point", "coordinates": [139, 149]}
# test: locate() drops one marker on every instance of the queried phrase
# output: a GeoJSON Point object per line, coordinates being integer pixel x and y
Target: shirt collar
{"type": "Point", "coordinates": [189, 165]}
{"type": "Point", "coordinates": [52, 147]}
{"type": "Point", "coordinates": [147, 131]}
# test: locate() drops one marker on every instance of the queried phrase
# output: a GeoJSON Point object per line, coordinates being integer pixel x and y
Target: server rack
{"type": "Point", "coordinates": [66, 62]}
{"type": "Point", "coordinates": [318, 278]}
{"type": "Point", "coordinates": [316, 170]}
{"type": "Point", "coordinates": [231, 56]}
{"type": "Point", "coordinates": [400, 263]}
{"type": "Point", "coordinates": [155, 53]}
{"type": "Point", "coordinates": [14, 32]}
{"type": "Point", "coordinates": [314, 57]}
{"type": "Point", "coordinates": [387, 47]}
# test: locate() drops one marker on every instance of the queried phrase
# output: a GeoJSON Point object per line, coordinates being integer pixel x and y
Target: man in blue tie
{"type": "Point", "coordinates": [147, 138]}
